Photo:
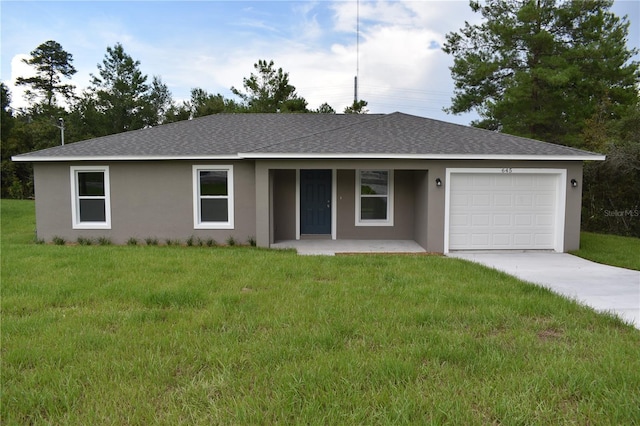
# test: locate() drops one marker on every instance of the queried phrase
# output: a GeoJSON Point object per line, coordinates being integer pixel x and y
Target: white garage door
{"type": "Point", "coordinates": [504, 210]}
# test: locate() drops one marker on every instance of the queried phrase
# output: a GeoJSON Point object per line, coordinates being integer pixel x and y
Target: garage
{"type": "Point", "coordinates": [505, 209]}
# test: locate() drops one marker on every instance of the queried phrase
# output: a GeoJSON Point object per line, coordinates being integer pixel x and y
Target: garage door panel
{"type": "Point", "coordinates": [501, 183]}
{"type": "Point", "coordinates": [522, 240]}
{"type": "Point", "coordinates": [545, 200]}
{"type": "Point", "coordinates": [524, 181]}
{"type": "Point", "coordinates": [502, 220]}
{"type": "Point", "coordinates": [544, 239]}
{"type": "Point", "coordinates": [544, 220]}
{"type": "Point", "coordinates": [545, 181]}
{"type": "Point", "coordinates": [480, 240]}
{"type": "Point", "coordinates": [502, 211]}
{"type": "Point", "coordinates": [522, 220]}
{"type": "Point", "coordinates": [480, 220]}
{"type": "Point", "coordinates": [524, 200]}
{"type": "Point", "coordinates": [459, 220]}
{"type": "Point", "coordinates": [503, 240]}
{"type": "Point", "coordinates": [505, 200]}
{"type": "Point", "coordinates": [480, 200]}
{"type": "Point", "coordinates": [459, 200]}
{"type": "Point", "coordinates": [481, 180]}
{"type": "Point", "coordinates": [459, 240]}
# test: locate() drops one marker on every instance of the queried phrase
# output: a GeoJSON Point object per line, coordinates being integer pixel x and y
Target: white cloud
{"type": "Point", "coordinates": [19, 69]}
{"type": "Point", "coordinates": [399, 67]}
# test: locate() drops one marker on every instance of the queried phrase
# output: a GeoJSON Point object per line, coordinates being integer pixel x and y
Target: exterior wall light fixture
{"type": "Point", "coordinates": [438, 182]}
{"type": "Point", "coordinates": [574, 183]}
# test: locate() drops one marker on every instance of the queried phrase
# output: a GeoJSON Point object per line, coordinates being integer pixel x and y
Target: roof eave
{"type": "Point", "coordinates": [42, 159]}
{"type": "Point", "coordinates": [367, 156]}
{"type": "Point", "coordinates": [307, 156]}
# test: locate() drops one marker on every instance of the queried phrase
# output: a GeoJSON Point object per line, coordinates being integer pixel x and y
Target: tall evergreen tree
{"type": "Point", "coordinates": [325, 108]}
{"type": "Point", "coordinates": [159, 101]}
{"type": "Point", "coordinates": [269, 90]}
{"type": "Point", "coordinates": [51, 63]}
{"type": "Point", "coordinates": [7, 121]}
{"type": "Point", "coordinates": [540, 68]}
{"type": "Point", "coordinates": [357, 107]}
{"type": "Point", "coordinates": [121, 91]}
{"type": "Point", "coordinates": [203, 103]}
{"type": "Point", "coordinates": [611, 188]}
{"type": "Point", "coordinates": [6, 115]}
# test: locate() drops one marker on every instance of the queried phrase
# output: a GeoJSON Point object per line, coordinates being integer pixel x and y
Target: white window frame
{"type": "Point", "coordinates": [197, 222]}
{"type": "Point", "coordinates": [390, 206]}
{"type": "Point", "coordinates": [76, 197]}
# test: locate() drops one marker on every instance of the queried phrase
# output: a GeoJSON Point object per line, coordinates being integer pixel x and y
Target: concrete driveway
{"type": "Point", "coordinates": [604, 288]}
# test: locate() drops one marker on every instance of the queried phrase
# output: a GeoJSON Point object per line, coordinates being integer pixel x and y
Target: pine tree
{"type": "Point", "coordinates": [540, 68]}
{"type": "Point", "coordinates": [52, 63]}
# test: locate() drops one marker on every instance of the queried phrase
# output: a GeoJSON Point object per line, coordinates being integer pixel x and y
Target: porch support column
{"type": "Point", "coordinates": [263, 205]}
{"type": "Point", "coordinates": [435, 209]}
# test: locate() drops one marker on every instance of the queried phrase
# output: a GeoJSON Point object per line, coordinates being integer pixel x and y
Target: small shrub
{"type": "Point", "coordinates": [59, 241]}
{"type": "Point", "coordinates": [84, 241]}
{"type": "Point", "coordinates": [231, 241]}
{"type": "Point", "coordinates": [39, 240]}
{"type": "Point", "coordinates": [211, 242]}
{"type": "Point", "coordinates": [191, 241]}
{"type": "Point", "coordinates": [104, 241]}
{"type": "Point", "coordinates": [171, 242]}
{"type": "Point", "coordinates": [132, 241]}
{"type": "Point", "coordinates": [251, 241]}
{"type": "Point", "coordinates": [151, 241]}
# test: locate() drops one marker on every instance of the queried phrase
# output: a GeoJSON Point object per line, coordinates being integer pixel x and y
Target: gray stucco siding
{"type": "Point", "coordinates": [148, 199]}
{"type": "Point", "coordinates": [421, 207]}
{"type": "Point", "coordinates": [403, 209]}
{"type": "Point", "coordinates": [155, 199]}
{"type": "Point", "coordinates": [284, 205]}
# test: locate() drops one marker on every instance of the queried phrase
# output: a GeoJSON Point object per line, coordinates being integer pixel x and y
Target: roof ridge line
{"type": "Point", "coordinates": [373, 117]}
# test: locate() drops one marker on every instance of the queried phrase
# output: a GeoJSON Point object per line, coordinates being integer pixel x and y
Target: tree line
{"type": "Point", "coordinates": [555, 70]}
{"type": "Point", "coordinates": [120, 98]}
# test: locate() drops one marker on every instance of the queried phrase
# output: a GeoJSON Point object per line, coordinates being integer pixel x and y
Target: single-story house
{"type": "Point", "coordinates": [275, 177]}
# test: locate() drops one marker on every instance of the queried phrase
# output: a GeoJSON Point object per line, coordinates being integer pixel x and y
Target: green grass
{"type": "Point", "coordinates": [610, 249]}
{"type": "Point", "coordinates": [236, 335]}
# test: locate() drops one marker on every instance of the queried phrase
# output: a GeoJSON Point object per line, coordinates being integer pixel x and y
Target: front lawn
{"type": "Point", "coordinates": [195, 335]}
{"type": "Point", "coordinates": [610, 250]}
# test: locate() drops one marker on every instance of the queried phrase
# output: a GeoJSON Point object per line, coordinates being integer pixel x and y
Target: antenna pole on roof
{"type": "Point", "coordinates": [355, 89]}
{"type": "Point", "coordinates": [355, 80]}
{"type": "Point", "coordinates": [60, 126]}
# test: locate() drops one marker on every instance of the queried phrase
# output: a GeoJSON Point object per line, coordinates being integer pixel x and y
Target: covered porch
{"type": "Point", "coordinates": [323, 200]}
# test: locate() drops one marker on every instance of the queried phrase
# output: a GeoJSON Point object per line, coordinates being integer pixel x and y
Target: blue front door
{"type": "Point", "coordinates": [315, 201]}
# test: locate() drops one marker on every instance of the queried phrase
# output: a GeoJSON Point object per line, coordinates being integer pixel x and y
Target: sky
{"type": "Point", "coordinates": [214, 44]}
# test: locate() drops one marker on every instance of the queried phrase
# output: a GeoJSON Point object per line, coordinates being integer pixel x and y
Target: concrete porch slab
{"type": "Point", "coordinates": [333, 247]}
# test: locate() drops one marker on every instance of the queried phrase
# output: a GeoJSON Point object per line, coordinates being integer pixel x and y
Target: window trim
{"type": "Point", "coordinates": [390, 206]}
{"type": "Point", "coordinates": [76, 197]}
{"type": "Point", "coordinates": [197, 222]}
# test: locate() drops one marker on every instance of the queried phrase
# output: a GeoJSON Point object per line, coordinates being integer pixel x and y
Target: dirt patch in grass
{"type": "Point", "coordinates": [550, 334]}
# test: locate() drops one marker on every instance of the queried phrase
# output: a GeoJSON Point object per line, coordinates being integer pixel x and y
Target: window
{"type": "Point", "coordinates": [213, 197]}
{"type": "Point", "coordinates": [374, 198]}
{"type": "Point", "coordinates": [91, 207]}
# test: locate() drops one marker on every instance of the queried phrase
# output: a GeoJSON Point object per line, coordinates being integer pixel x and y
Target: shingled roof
{"type": "Point", "coordinates": [229, 136]}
